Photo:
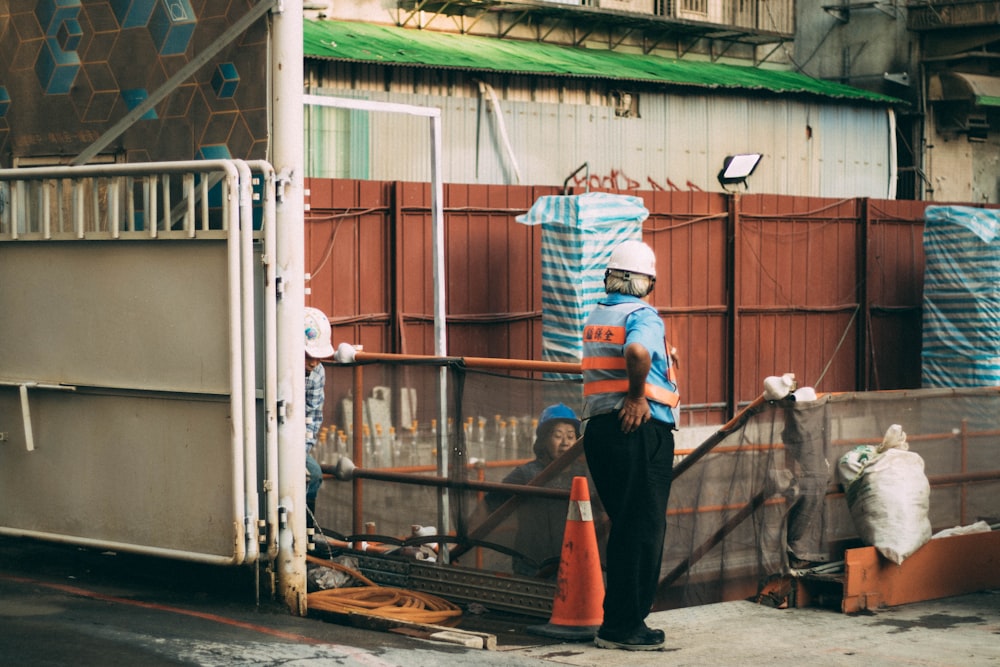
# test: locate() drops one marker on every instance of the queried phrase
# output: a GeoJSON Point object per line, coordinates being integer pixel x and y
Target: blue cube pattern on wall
{"type": "Point", "coordinates": [171, 26]}
{"type": "Point", "coordinates": [58, 63]}
{"type": "Point", "coordinates": [56, 69]}
{"type": "Point", "coordinates": [133, 13]}
{"type": "Point", "coordinates": [133, 97]}
{"type": "Point", "coordinates": [214, 152]}
{"type": "Point", "coordinates": [120, 62]}
{"type": "Point", "coordinates": [69, 35]}
{"type": "Point", "coordinates": [225, 80]}
{"type": "Point", "coordinates": [52, 13]}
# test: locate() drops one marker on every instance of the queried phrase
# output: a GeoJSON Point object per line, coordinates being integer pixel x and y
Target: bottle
{"type": "Point", "coordinates": [378, 448]}
{"type": "Point", "coordinates": [319, 448]}
{"type": "Point", "coordinates": [481, 438]}
{"type": "Point", "coordinates": [394, 448]}
{"type": "Point", "coordinates": [433, 441]}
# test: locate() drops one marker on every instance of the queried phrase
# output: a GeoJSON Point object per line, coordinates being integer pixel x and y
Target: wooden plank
{"type": "Point", "coordinates": [941, 568]}
{"type": "Point", "coordinates": [467, 638]}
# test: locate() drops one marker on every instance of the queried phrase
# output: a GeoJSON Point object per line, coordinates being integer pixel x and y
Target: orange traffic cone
{"type": "Point", "coordinates": [577, 609]}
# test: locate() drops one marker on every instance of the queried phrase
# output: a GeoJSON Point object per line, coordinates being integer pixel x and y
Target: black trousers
{"type": "Point", "coordinates": [632, 475]}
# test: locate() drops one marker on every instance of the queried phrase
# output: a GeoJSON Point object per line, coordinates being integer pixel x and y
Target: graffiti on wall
{"type": "Point", "coordinates": [619, 180]}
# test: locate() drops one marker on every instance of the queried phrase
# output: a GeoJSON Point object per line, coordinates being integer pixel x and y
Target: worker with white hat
{"type": "Point", "coordinates": [318, 347]}
{"type": "Point", "coordinates": [630, 386]}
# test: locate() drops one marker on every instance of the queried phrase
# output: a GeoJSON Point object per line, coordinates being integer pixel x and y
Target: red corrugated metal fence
{"type": "Point", "coordinates": [749, 285]}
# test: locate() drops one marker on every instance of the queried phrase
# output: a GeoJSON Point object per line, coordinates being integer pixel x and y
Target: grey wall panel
{"type": "Point", "coordinates": [147, 471]}
{"type": "Point", "coordinates": [137, 451]}
{"type": "Point", "coordinates": [116, 314]}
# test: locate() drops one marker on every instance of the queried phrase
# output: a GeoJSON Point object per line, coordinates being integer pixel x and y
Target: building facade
{"type": "Point", "coordinates": [941, 57]}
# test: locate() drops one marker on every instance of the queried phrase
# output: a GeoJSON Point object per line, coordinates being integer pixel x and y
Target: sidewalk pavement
{"type": "Point", "coordinates": [952, 632]}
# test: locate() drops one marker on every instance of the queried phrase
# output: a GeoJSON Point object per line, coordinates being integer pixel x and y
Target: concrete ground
{"type": "Point", "coordinates": [62, 605]}
{"type": "Point", "coordinates": [953, 632]}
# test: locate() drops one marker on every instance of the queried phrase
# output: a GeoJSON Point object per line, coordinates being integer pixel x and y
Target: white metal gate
{"type": "Point", "coordinates": [137, 358]}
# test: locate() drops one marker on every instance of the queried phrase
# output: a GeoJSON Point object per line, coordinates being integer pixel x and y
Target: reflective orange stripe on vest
{"type": "Point", "coordinates": [616, 364]}
{"type": "Point", "coordinates": [658, 394]}
{"type": "Point", "coordinates": [603, 363]}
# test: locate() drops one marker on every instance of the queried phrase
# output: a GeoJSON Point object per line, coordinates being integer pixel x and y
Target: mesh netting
{"type": "Point", "coordinates": [744, 495]}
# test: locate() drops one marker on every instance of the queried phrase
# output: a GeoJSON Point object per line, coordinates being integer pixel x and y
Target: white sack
{"type": "Point", "coordinates": [888, 495]}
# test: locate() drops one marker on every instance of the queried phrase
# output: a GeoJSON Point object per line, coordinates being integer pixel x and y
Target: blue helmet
{"type": "Point", "coordinates": [557, 412]}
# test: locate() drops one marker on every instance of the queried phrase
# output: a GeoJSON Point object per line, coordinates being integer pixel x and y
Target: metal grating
{"type": "Point", "coordinates": [519, 595]}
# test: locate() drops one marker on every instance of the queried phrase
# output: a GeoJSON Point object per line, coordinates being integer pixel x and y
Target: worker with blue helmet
{"type": "Point", "coordinates": [541, 521]}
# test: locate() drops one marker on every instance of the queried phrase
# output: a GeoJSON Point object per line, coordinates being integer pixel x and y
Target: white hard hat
{"type": "Point", "coordinates": [634, 256]}
{"type": "Point", "coordinates": [317, 329]}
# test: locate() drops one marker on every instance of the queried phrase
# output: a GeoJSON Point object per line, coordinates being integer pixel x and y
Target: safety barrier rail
{"type": "Point", "coordinates": [723, 498]}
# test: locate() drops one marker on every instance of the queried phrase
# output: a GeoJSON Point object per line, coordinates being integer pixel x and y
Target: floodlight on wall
{"type": "Point", "coordinates": [736, 169]}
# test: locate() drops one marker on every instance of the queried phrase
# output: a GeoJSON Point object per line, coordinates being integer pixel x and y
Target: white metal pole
{"type": "Point", "coordinates": [440, 326]}
{"type": "Point", "coordinates": [437, 225]}
{"type": "Point", "coordinates": [287, 148]}
{"type": "Point", "coordinates": [248, 361]}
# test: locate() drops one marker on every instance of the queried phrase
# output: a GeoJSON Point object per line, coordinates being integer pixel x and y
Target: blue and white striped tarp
{"type": "Point", "coordinates": [578, 234]}
{"type": "Point", "coordinates": [961, 319]}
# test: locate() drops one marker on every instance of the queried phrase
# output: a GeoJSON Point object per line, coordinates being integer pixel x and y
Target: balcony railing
{"type": "Point", "coordinates": [943, 14]}
{"type": "Point", "coordinates": [753, 21]}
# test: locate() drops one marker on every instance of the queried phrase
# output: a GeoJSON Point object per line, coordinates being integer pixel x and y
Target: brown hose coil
{"type": "Point", "coordinates": [382, 601]}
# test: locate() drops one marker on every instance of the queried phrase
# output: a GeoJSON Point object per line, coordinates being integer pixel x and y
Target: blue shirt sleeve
{"type": "Point", "coordinates": [645, 327]}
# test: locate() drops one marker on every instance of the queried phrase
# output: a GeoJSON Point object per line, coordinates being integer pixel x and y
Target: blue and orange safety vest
{"type": "Point", "coordinates": [605, 380]}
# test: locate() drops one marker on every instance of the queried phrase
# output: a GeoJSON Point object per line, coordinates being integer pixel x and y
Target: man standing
{"type": "Point", "coordinates": [631, 396]}
{"type": "Point", "coordinates": [318, 347]}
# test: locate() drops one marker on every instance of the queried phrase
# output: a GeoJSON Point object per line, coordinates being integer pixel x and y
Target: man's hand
{"type": "Point", "coordinates": [634, 413]}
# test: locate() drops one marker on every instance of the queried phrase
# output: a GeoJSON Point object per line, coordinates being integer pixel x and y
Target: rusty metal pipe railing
{"type": "Point", "coordinates": [950, 479]}
{"type": "Point", "coordinates": [459, 485]}
{"type": "Point", "coordinates": [509, 505]}
{"type": "Point", "coordinates": [535, 488]}
{"type": "Point", "coordinates": [362, 357]}
{"type": "Point", "coordinates": [704, 448]}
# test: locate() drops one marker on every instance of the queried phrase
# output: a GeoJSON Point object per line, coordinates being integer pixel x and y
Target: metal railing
{"type": "Point", "coordinates": [177, 199]}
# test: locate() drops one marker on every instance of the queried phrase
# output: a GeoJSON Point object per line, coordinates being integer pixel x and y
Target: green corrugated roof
{"type": "Point", "coordinates": [370, 43]}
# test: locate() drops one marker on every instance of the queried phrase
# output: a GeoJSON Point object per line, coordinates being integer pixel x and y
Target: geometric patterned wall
{"type": "Point", "coordinates": [71, 69]}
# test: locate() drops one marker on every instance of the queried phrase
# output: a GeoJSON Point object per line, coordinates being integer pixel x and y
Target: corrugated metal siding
{"type": "Point", "coordinates": [679, 142]}
{"type": "Point", "coordinates": [828, 289]}
{"type": "Point", "coordinates": [689, 233]}
{"type": "Point", "coordinates": [894, 285]}
{"type": "Point", "coordinates": [797, 301]}
{"type": "Point", "coordinates": [343, 242]}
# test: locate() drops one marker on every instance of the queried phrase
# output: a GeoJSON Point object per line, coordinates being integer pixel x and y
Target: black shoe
{"type": "Point", "coordinates": [643, 639]}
